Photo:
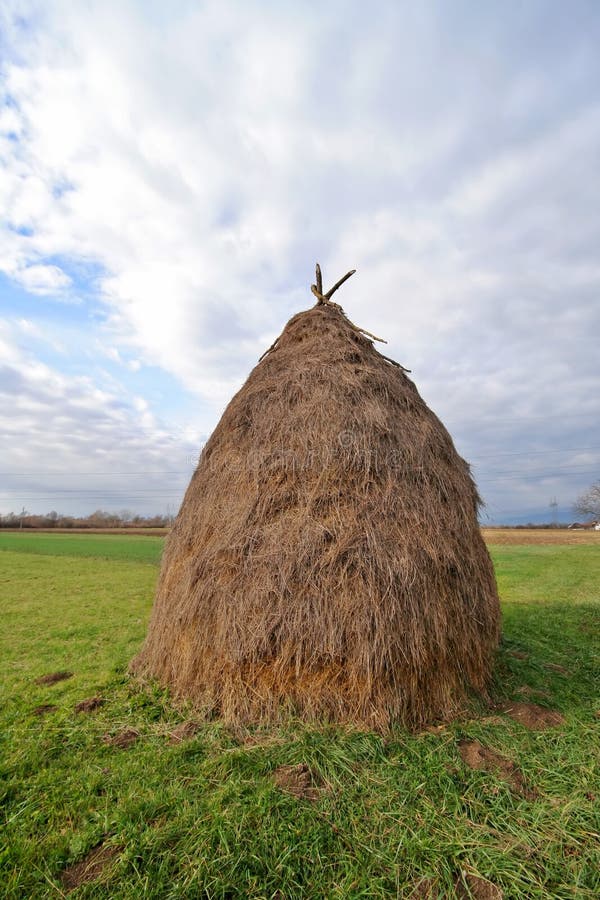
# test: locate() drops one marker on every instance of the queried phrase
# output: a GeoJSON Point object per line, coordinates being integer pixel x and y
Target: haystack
{"type": "Point", "coordinates": [327, 558]}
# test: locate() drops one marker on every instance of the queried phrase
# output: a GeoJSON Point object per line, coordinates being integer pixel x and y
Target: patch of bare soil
{"type": "Point", "coordinates": [466, 887]}
{"type": "Point", "coordinates": [90, 867]}
{"type": "Point", "coordinates": [90, 704]}
{"type": "Point", "coordinates": [554, 667]}
{"type": "Point", "coordinates": [425, 889]}
{"type": "Point", "coordinates": [122, 740]}
{"type": "Point", "coordinates": [472, 887]}
{"type": "Point", "coordinates": [476, 756]}
{"type": "Point", "coordinates": [297, 780]}
{"type": "Point", "coordinates": [44, 709]}
{"type": "Point", "coordinates": [533, 716]}
{"type": "Point", "coordinates": [53, 677]}
{"type": "Point", "coordinates": [184, 732]}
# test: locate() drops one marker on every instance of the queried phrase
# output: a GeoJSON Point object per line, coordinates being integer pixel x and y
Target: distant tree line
{"type": "Point", "coordinates": [98, 519]}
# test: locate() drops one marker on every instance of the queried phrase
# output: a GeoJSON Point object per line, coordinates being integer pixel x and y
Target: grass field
{"type": "Point", "coordinates": [109, 803]}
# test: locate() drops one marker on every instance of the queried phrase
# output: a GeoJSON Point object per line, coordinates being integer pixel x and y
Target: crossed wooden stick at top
{"type": "Point", "coordinates": [322, 298]}
{"type": "Point", "coordinates": [317, 288]}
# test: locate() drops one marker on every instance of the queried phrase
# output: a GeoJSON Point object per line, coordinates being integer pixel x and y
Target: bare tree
{"type": "Point", "coordinates": [588, 504]}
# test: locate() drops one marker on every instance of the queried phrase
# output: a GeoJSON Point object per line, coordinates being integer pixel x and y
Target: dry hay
{"type": "Point", "coordinates": [327, 559]}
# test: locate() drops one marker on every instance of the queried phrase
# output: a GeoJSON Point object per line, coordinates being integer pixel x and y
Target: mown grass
{"type": "Point", "coordinates": [205, 818]}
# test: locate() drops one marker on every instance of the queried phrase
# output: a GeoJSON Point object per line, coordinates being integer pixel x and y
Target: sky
{"type": "Point", "coordinates": [170, 173]}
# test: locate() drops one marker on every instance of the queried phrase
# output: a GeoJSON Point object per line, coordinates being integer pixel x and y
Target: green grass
{"type": "Point", "coordinates": [205, 818]}
{"type": "Point", "coordinates": [102, 546]}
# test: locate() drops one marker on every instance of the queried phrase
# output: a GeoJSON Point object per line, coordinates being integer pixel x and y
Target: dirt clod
{"type": "Point", "coordinates": [184, 732]}
{"type": "Point", "coordinates": [90, 704]}
{"type": "Point", "coordinates": [122, 740]}
{"type": "Point", "coordinates": [472, 887]}
{"type": "Point", "coordinates": [296, 780]}
{"type": "Point", "coordinates": [538, 718]}
{"type": "Point", "coordinates": [44, 709]}
{"type": "Point", "coordinates": [90, 867]}
{"type": "Point", "coordinates": [476, 756]}
{"type": "Point", "coordinates": [53, 677]}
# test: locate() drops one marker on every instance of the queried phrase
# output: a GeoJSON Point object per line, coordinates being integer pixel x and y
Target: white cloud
{"type": "Point", "coordinates": [39, 279]}
{"type": "Point", "coordinates": [71, 446]}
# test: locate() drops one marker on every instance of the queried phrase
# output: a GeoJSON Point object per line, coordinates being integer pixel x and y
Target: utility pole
{"type": "Point", "coordinates": [554, 508]}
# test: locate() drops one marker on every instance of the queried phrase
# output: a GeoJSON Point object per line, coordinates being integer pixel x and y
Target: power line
{"type": "Point", "coordinates": [145, 472]}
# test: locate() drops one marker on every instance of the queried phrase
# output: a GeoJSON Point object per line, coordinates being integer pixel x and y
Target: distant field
{"type": "Point", "coordinates": [114, 802]}
{"type": "Point", "coordinates": [491, 535]}
{"type": "Point", "coordinates": [540, 536]}
{"type": "Point", "coordinates": [121, 546]}
{"type": "Point", "coordinates": [147, 532]}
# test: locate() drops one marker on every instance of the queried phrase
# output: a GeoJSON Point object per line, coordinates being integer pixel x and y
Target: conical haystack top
{"type": "Point", "coordinates": [327, 558]}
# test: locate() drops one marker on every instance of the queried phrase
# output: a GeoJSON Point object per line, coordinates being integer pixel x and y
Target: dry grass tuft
{"type": "Point", "coordinates": [327, 559]}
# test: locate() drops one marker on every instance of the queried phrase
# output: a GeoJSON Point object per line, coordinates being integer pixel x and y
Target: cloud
{"type": "Point", "coordinates": [71, 446]}
{"type": "Point", "coordinates": [39, 279]}
{"type": "Point", "coordinates": [200, 159]}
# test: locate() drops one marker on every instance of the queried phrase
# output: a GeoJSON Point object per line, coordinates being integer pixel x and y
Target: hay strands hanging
{"type": "Point", "coordinates": [317, 290]}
